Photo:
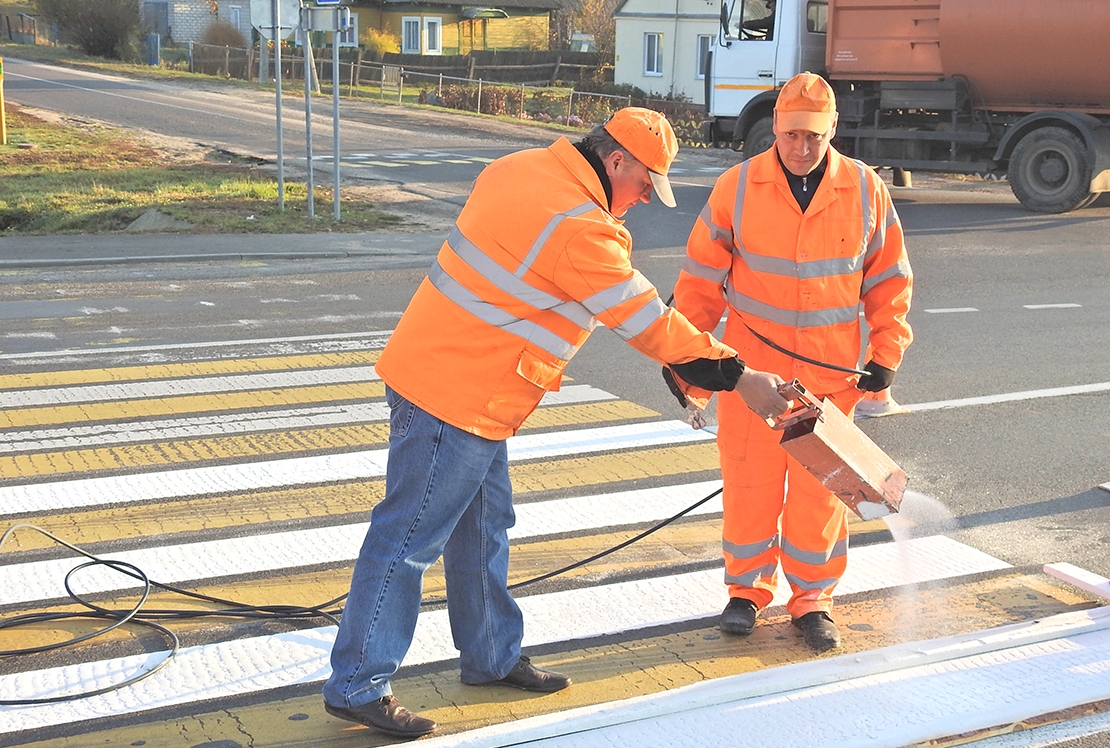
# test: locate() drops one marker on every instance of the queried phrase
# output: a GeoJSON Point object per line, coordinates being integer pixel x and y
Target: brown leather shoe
{"type": "Point", "coordinates": [818, 630]}
{"type": "Point", "coordinates": [528, 677]}
{"type": "Point", "coordinates": [385, 715]}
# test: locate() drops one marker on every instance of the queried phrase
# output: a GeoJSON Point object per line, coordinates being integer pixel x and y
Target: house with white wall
{"type": "Point", "coordinates": [661, 45]}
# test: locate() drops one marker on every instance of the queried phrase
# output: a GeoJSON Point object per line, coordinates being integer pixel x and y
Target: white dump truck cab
{"type": "Point", "coordinates": [761, 44]}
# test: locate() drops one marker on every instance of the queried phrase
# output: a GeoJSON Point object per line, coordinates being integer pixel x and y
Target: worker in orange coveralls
{"type": "Point", "coordinates": [791, 242]}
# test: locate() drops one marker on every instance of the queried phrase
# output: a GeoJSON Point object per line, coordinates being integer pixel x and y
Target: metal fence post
{"type": "Point", "coordinates": [191, 68]}
{"type": "Point", "coordinates": [440, 92]}
{"type": "Point", "coordinates": [522, 96]}
{"type": "Point", "coordinates": [479, 96]}
{"type": "Point", "coordinates": [400, 84]}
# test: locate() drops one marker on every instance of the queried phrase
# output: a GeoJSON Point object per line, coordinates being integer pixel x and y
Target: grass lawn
{"type": "Point", "coordinates": [63, 178]}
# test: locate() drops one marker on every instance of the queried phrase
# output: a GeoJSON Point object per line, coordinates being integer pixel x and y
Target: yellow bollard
{"type": "Point", "coordinates": [3, 117]}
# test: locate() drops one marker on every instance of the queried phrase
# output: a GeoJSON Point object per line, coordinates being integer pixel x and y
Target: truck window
{"type": "Point", "coordinates": [817, 17]}
{"type": "Point", "coordinates": [757, 20]}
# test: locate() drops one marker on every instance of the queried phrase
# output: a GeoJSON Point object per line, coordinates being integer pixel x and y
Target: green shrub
{"type": "Point", "coordinates": [102, 28]}
{"type": "Point", "coordinates": [222, 34]}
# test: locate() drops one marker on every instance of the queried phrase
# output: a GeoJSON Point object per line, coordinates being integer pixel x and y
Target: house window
{"type": "Point", "coordinates": [653, 54]}
{"type": "Point", "coordinates": [410, 35]}
{"type": "Point", "coordinates": [433, 42]}
{"type": "Point", "coordinates": [705, 41]}
{"type": "Point", "coordinates": [235, 16]}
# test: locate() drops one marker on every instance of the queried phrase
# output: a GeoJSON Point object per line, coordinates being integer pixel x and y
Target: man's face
{"type": "Point", "coordinates": [802, 150]}
{"type": "Point", "coordinates": [630, 181]}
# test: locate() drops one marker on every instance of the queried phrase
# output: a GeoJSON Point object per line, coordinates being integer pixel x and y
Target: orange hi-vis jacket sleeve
{"type": "Point", "coordinates": [534, 263]}
{"type": "Point", "coordinates": [799, 279]}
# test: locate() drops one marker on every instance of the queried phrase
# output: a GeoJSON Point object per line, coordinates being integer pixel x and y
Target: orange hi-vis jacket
{"type": "Point", "coordinates": [534, 263]}
{"type": "Point", "coordinates": [799, 279]}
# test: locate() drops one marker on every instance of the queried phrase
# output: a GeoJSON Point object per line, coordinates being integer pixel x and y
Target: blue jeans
{"type": "Point", "coordinates": [447, 492]}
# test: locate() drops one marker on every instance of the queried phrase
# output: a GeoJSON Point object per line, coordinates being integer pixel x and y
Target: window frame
{"type": "Point", "coordinates": [426, 36]}
{"type": "Point", "coordinates": [655, 71]}
{"type": "Point", "coordinates": [700, 68]}
{"type": "Point", "coordinates": [406, 48]}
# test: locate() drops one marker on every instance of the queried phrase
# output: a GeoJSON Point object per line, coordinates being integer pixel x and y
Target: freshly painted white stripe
{"type": "Point", "coordinates": [378, 339]}
{"type": "Point", "coordinates": [1052, 306]}
{"type": "Point", "coordinates": [896, 696]}
{"type": "Point", "coordinates": [148, 389]}
{"type": "Point", "coordinates": [106, 433]}
{"type": "Point", "coordinates": [1081, 578]}
{"type": "Point", "coordinates": [267, 662]}
{"type": "Point", "coordinates": [172, 564]}
{"type": "Point", "coordinates": [1105, 486]}
{"type": "Point", "coordinates": [1082, 389]}
{"type": "Point", "coordinates": [300, 471]}
{"type": "Point", "coordinates": [953, 310]}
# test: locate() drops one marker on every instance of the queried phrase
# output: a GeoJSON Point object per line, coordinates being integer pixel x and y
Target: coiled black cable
{"type": "Point", "coordinates": [138, 615]}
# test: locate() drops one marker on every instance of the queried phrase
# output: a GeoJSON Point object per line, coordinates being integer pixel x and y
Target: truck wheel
{"type": "Point", "coordinates": [1050, 171]}
{"type": "Point", "coordinates": [760, 137]}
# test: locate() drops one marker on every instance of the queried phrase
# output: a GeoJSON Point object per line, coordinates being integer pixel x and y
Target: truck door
{"type": "Point", "coordinates": [746, 67]}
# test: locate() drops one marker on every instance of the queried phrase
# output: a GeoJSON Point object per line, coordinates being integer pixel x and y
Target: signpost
{"type": "Point", "coordinates": [275, 20]}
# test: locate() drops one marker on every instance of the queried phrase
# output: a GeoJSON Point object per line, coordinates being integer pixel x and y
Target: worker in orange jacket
{"type": "Point", "coordinates": [536, 260]}
{"type": "Point", "coordinates": [791, 243]}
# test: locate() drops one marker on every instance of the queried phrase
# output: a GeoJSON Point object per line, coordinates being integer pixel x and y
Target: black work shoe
{"type": "Point", "coordinates": [818, 630]}
{"type": "Point", "coordinates": [528, 677]}
{"type": "Point", "coordinates": [385, 715]}
{"type": "Point", "coordinates": [739, 616]}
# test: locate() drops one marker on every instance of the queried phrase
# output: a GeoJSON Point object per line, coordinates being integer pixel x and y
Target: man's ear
{"type": "Point", "coordinates": [612, 161]}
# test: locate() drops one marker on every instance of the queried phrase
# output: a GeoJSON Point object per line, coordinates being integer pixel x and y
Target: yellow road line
{"type": "Point", "coordinates": [265, 444]}
{"type": "Point", "coordinates": [190, 369]}
{"type": "Point", "coordinates": [271, 510]}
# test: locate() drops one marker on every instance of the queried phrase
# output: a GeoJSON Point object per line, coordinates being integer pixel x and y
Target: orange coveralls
{"type": "Point", "coordinates": [798, 280]}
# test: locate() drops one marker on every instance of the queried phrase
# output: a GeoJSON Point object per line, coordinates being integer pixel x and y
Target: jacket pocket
{"type": "Point", "coordinates": [543, 374]}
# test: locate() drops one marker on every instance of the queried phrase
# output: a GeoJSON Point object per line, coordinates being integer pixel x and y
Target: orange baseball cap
{"type": "Point", "coordinates": [806, 102]}
{"type": "Point", "coordinates": [648, 136]}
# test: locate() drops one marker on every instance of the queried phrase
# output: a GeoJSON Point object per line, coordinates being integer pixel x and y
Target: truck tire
{"type": "Point", "coordinates": [760, 137]}
{"type": "Point", "coordinates": [1050, 171]}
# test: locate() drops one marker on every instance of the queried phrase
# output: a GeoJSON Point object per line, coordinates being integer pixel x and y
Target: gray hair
{"type": "Point", "coordinates": [601, 142]}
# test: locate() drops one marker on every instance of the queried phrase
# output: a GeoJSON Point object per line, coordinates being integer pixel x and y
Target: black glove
{"type": "Point", "coordinates": [880, 379]}
{"type": "Point", "coordinates": [668, 377]}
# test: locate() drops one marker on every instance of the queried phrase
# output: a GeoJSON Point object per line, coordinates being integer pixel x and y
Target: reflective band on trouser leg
{"type": "Point", "coordinates": [753, 467]}
{"type": "Point", "coordinates": [815, 533]}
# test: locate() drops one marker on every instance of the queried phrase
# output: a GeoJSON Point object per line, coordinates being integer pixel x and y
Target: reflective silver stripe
{"type": "Point", "coordinates": [900, 269]}
{"type": "Point", "coordinates": [716, 233]}
{"type": "Point", "coordinates": [801, 584]}
{"type": "Point", "coordinates": [641, 320]}
{"type": "Point", "coordinates": [748, 579]}
{"type": "Point", "coordinates": [520, 290]}
{"type": "Point", "coordinates": [801, 270]}
{"type": "Point", "coordinates": [749, 550]}
{"type": "Point", "coordinates": [865, 205]}
{"type": "Point", "coordinates": [548, 230]}
{"type": "Point", "coordinates": [493, 315]}
{"type": "Point", "coordinates": [815, 558]}
{"type": "Point", "coordinates": [700, 270]}
{"type": "Point", "coordinates": [738, 209]}
{"type": "Point", "coordinates": [790, 317]}
{"type": "Point", "coordinates": [604, 301]}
